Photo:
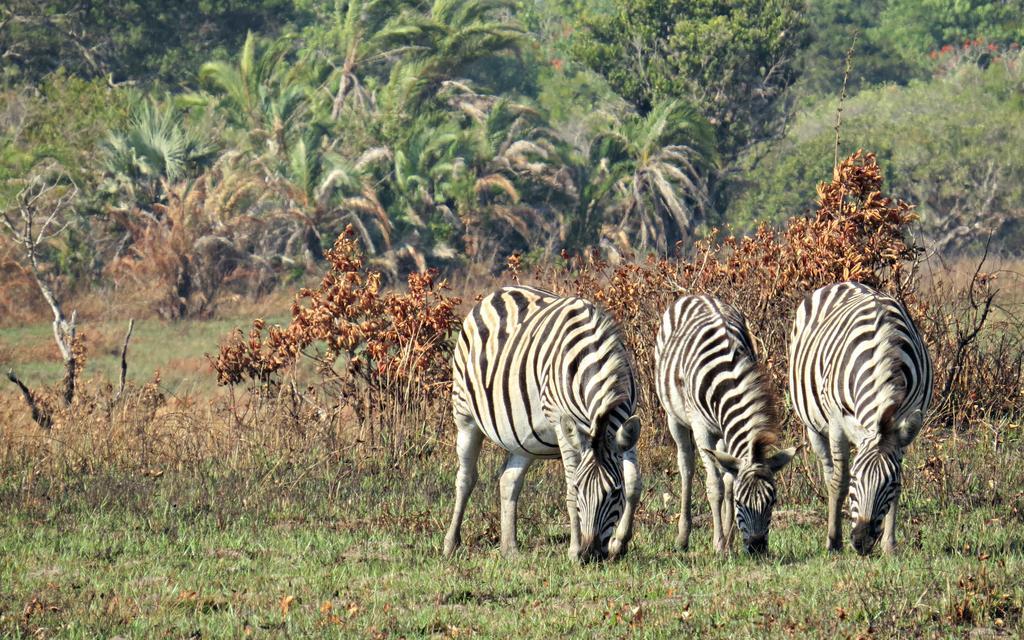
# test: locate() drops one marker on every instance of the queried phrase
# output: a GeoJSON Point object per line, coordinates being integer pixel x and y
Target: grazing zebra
{"type": "Point", "coordinates": [546, 376]}
{"type": "Point", "coordinates": [714, 393]}
{"type": "Point", "coordinates": [859, 374]}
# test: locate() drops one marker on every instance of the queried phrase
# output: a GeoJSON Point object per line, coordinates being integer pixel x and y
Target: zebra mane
{"type": "Point", "coordinates": [888, 384]}
{"type": "Point", "coordinates": [619, 362]}
{"type": "Point", "coordinates": [762, 426]}
{"type": "Point", "coordinates": [764, 423]}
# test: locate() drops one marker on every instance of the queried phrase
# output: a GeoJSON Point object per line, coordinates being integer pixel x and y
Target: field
{"type": "Point", "coordinates": [304, 541]}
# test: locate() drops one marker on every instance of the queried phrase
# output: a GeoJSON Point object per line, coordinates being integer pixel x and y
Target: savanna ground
{"type": "Point", "coordinates": [178, 514]}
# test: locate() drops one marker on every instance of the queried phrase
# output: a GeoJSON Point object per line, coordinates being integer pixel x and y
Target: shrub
{"type": "Point", "coordinates": [377, 353]}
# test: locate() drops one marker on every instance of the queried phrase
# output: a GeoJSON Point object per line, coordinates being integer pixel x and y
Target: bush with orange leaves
{"type": "Point", "coordinates": [381, 338]}
{"type": "Point", "coordinates": [857, 233]}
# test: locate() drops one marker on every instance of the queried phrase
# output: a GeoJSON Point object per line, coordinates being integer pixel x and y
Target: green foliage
{"type": "Point", "coordinates": [732, 60]}
{"type": "Point", "coordinates": [651, 172]}
{"type": "Point", "coordinates": [64, 121]}
{"type": "Point", "coordinates": [832, 25]}
{"type": "Point", "coordinates": [916, 27]}
{"type": "Point", "coordinates": [157, 147]}
{"type": "Point", "coordinates": [951, 145]}
{"type": "Point", "coordinates": [132, 40]}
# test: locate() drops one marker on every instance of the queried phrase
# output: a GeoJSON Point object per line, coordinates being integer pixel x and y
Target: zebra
{"type": "Point", "coordinates": [546, 376]}
{"type": "Point", "coordinates": [860, 375]}
{"type": "Point", "coordinates": [713, 392]}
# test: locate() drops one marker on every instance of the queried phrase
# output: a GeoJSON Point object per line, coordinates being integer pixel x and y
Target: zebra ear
{"type": "Point", "coordinates": [909, 428]}
{"type": "Point", "coordinates": [628, 434]}
{"type": "Point", "coordinates": [780, 459]}
{"type": "Point", "coordinates": [567, 427]}
{"type": "Point", "coordinates": [726, 462]}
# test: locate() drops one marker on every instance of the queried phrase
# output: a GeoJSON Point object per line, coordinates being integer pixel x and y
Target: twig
{"type": "Point", "coordinates": [964, 340]}
{"type": "Point", "coordinates": [124, 358]}
{"type": "Point", "coordinates": [842, 97]}
{"type": "Point", "coordinates": [39, 415]}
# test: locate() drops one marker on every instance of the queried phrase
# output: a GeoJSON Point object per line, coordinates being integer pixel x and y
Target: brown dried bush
{"type": "Point", "coordinates": [379, 354]}
{"type": "Point", "coordinates": [857, 233]}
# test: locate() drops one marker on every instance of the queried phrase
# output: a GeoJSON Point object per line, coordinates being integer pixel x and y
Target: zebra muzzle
{"type": "Point", "coordinates": [757, 546]}
{"type": "Point", "coordinates": [864, 536]}
{"type": "Point", "coordinates": [592, 551]}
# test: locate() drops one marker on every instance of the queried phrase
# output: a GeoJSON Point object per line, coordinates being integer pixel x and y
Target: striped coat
{"type": "Point", "coordinates": [545, 376]}
{"type": "Point", "coordinates": [859, 376]}
{"type": "Point", "coordinates": [715, 396]}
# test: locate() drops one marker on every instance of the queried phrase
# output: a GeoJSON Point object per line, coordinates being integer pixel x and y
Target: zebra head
{"type": "Point", "coordinates": [876, 475]}
{"type": "Point", "coordinates": [754, 494]}
{"type": "Point", "coordinates": [598, 480]}
{"type": "Point", "coordinates": [876, 479]}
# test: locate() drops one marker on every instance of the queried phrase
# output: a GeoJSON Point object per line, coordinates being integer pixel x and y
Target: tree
{"type": "Point", "coordinates": [832, 25]}
{"type": "Point", "coordinates": [917, 27]}
{"type": "Point", "coordinates": [732, 60]}
{"type": "Point", "coordinates": [652, 171]}
{"type": "Point", "coordinates": [948, 144]}
{"type": "Point", "coordinates": [452, 39]}
{"type": "Point", "coordinates": [156, 148]}
{"type": "Point", "coordinates": [260, 96]}
{"type": "Point", "coordinates": [40, 214]}
{"type": "Point", "coordinates": [345, 45]}
{"type": "Point", "coordinates": [144, 41]}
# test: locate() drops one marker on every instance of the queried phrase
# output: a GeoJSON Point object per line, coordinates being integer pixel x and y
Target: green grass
{"type": "Point", "coordinates": [205, 554]}
{"type": "Point", "coordinates": [173, 349]}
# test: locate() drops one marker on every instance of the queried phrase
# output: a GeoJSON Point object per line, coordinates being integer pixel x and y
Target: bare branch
{"type": "Point", "coordinates": [40, 415]}
{"type": "Point", "coordinates": [124, 358]}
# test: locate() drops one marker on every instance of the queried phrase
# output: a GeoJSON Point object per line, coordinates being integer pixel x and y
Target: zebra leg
{"type": "Point", "coordinates": [511, 484]}
{"type": "Point", "coordinates": [632, 487]}
{"type": "Point", "coordinates": [715, 489]}
{"type": "Point", "coordinates": [728, 512]}
{"type": "Point", "coordinates": [838, 487]}
{"type": "Point", "coordinates": [889, 531]}
{"type": "Point", "coordinates": [467, 446]}
{"type": "Point", "coordinates": [570, 460]}
{"type": "Point", "coordinates": [820, 445]}
{"type": "Point", "coordinates": [684, 456]}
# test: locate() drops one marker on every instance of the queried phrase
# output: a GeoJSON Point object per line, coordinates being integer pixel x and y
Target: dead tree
{"type": "Point", "coordinates": [41, 212]}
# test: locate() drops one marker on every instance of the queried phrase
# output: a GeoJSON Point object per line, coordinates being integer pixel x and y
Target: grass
{"type": "Point", "coordinates": [189, 516]}
{"type": "Point", "coordinates": [176, 349]}
{"type": "Point", "coordinates": [285, 552]}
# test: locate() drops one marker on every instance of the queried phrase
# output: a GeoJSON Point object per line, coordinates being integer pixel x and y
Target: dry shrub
{"type": "Point", "coordinates": [856, 234]}
{"type": "Point", "coordinates": [381, 355]}
{"type": "Point", "coordinates": [184, 253]}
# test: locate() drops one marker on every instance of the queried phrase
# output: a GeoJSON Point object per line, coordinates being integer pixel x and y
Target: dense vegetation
{"type": "Point", "coordinates": [312, 161]}
{"type": "Point", "coordinates": [221, 146]}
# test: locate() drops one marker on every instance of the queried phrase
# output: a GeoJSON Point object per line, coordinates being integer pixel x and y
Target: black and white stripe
{"type": "Point", "coordinates": [546, 376]}
{"type": "Point", "coordinates": [715, 395]}
{"type": "Point", "coordinates": [859, 375]}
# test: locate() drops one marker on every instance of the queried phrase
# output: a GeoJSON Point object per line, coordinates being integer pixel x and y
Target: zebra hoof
{"type": "Point", "coordinates": [574, 554]}
{"type": "Point", "coordinates": [682, 543]}
{"type": "Point", "coordinates": [451, 545]}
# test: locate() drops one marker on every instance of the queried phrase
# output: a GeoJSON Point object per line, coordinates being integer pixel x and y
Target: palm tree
{"type": "Point", "coordinates": [261, 95]}
{"type": "Point", "coordinates": [353, 32]}
{"type": "Point", "coordinates": [520, 180]}
{"type": "Point", "coordinates": [323, 191]}
{"type": "Point", "coordinates": [648, 176]}
{"type": "Point", "coordinates": [156, 148]}
{"type": "Point", "coordinates": [441, 43]}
